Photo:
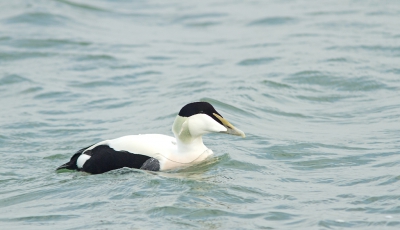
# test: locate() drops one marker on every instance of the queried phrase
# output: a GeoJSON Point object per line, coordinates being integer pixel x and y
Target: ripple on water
{"type": "Point", "coordinates": [19, 55]}
{"type": "Point", "coordinates": [320, 109]}
{"type": "Point", "coordinates": [57, 96]}
{"type": "Point", "coordinates": [371, 49]}
{"type": "Point", "coordinates": [38, 19]}
{"type": "Point", "coordinates": [13, 79]}
{"type": "Point", "coordinates": [329, 80]}
{"type": "Point", "coordinates": [257, 61]}
{"type": "Point", "coordinates": [40, 218]}
{"type": "Point", "coordinates": [82, 6]}
{"type": "Point", "coordinates": [227, 107]}
{"type": "Point", "coordinates": [276, 85]}
{"type": "Point", "coordinates": [95, 57]}
{"type": "Point", "coordinates": [47, 43]}
{"type": "Point", "coordinates": [33, 89]}
{"type": "Point", "coordinates": [95, 84]}
{"type": "Point", "coordinates": [200, 20]}
{"type": "Point", "coordinates": [273, 21]}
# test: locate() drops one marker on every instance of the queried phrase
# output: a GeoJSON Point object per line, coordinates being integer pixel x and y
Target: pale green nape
{"type": "Point", "coordinates": [181, 130]}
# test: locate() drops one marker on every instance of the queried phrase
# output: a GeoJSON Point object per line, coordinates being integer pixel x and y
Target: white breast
{"type": "Point", "coordinates": [181, 161]}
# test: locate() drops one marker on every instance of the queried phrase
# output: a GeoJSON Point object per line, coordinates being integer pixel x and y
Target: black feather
{"type": "Point", "coordinates": [104, 158]}
{"type": "Point", "coordinates": [199, 108]}
{"type": "Point", "coordinates": [72, 163]}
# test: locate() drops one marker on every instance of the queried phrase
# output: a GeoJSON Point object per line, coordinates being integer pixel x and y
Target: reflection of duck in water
{"type": "Point", "coordinates": [157, 152]}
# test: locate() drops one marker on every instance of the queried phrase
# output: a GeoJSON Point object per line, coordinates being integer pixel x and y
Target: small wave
{"type": "Point", "coordinates": [272, 21]}
{"type": "Point", "coordinates": [329, 80]}
{"type": "Point", "coordinates": [47, 43]}
{"type": "Point", "coordinates": [200, 20]}
{"type": "Point", "coordinates": [257, 61]}
{"type": "Point", "coordinates": [276, 85]}
{"type": "Point", "coordinates": [95, 84]}
{"type": "Point", "coordinates": [18, 55]}
{"type": "Point", "coordinates": [12, 79]}
{"type": "Point", "coordinates": [33, 219]}
{"type": "Point", "coordinates": [227, 106]}
{"type": "Point", "coordinates": [373, 49]}
{"type": "Point", "coordinates": [82, 6]}
{"type": "Point", "coordinates": [38, 19]}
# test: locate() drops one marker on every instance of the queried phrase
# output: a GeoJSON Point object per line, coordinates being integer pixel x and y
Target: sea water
{"type": "Point", "coordinates": [315, 85]}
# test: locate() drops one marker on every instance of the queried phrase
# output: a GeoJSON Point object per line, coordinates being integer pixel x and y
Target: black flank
{"type": "Point", "coordinates": [104, 159]}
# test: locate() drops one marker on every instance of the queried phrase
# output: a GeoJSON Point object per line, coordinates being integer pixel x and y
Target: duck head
{"type": "Point", "coordinates": [199, 118]}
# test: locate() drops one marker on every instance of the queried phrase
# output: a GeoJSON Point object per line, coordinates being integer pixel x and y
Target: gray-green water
{"type": "Point", "coordinates": [314, 84]}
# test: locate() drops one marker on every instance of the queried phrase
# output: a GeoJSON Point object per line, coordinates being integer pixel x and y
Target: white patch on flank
{"type": "Point", "coordinates": [81, 160]}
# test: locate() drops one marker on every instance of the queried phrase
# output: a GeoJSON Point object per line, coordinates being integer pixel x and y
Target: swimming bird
{"type": "Point", "coordinates": [157, 152]}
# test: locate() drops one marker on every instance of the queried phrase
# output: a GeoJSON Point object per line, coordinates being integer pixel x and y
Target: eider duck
{"type": "Point", "coordinates": [156, 152]}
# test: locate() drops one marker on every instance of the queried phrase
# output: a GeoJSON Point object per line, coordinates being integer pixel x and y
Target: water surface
{"type": "Point", "coordinates": [314, 85]}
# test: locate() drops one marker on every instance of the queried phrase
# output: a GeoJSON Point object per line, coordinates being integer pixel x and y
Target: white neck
{"type": "Point", "coordinates": [189, 145]}
{"type": "Point", "coordinates": [195, 145]}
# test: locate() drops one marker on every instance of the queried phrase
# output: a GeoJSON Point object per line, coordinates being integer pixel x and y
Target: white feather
{"type": "Point", "coordinates": [81, 160]}
{"type": "Point", "coordinates": [201, 124]}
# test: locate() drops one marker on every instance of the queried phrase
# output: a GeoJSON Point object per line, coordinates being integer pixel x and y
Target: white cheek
{"type": "Point", "coordinates": [200, 124]}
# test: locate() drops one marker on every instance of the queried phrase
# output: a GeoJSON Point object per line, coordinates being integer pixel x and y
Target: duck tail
{"type": "Point", "coordinates": [71, 165]}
